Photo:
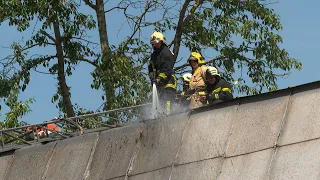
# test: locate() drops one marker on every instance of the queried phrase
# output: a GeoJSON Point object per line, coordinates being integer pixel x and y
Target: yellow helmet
{"type": "Point", "coordinates": [156, 37]}
{"type": "Point", "coordinates": [196, 57]}
{"type": "Point", "coordinates": [186, 77]}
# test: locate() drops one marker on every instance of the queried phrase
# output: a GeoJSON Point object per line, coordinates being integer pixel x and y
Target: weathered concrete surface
{"type": "Point", "coordinates": [154, 175]}
{"type": "Point", "coordinates": [206, 134]}
{"type": "Point", "coordinates": [204, 170]}
{"type": "Point", "coordinates": [30, 162]}
{"type": "Point", "coordinates": [250, 166]}
{"type": "Point", "coordinates": [225, 141]}
{"type": "Point", "coordinates": [159, 143]}
{"type": "Point", "coordinates": [257, 123]}
{"type": "Point", "coordinates": [5, 161]}
{"type": "Point", "coordinates": [114, 151]}
{"type": "Point", "coordinates": [117, 178]}
{"type": "Point", "coordinates": [297, 161]}
{"type": "Point", "coordinates": [303, 118]}
{"type": "Point", "coordinates": [70, 157]}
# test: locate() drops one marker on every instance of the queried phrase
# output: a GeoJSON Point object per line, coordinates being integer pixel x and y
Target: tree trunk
{"type": "Point", "coordinates": [182, 23]}
{"type": "Point", "coordinates": [105, 49]}
{"type": "Point", "coordinates": [102, 27]}
{"type": "Point", "coordinates": [180, 26]}
{"type": "Point", "coordinates": [67, 105]}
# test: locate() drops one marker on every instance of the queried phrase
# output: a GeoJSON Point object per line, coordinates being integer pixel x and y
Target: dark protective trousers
{"type": "Point", "coordinates": [167, 99]}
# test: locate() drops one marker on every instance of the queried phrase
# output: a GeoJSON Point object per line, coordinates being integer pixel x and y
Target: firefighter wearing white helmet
{"type": "Point", "coordinates": [184, 95]}
{"type": "Point", "coordinates": [217, 88]}
{"type": "Point", "coordinates": [157, 37]}
{"type": "Point", "coordinates": [197, 82]}
{"type": "Point", "coordinates": [186, 77]}
{"type": "Point", "coordinates": [161, 70]}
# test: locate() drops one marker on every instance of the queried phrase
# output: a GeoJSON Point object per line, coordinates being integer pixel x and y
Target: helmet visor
{"type": "Point", "coordinates": [154, 40]}
{"type": "Point", "coordinates": [192, 58]}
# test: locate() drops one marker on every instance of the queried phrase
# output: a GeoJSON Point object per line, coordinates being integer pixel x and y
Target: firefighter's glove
{"type": "Point", "coordinates": [160, 81]}
{"type": "Point", "coordinates": [213, 97]}
{"type": "Point", "coordinates": [156, 81]}
{"type": "Point", "coordinates": [202, 95]}
{"type": "Point", "coordinates": [150, 75]}
{"type": "Point", "coordinates": [203, 99]}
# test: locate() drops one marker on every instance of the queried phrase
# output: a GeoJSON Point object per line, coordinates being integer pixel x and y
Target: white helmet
{"type": "Point", "coordinates": [186, 77]}
{"type": "Point", "coordinates": [157, 37]}
{"type": "Point", "coordinates": [212, 71]}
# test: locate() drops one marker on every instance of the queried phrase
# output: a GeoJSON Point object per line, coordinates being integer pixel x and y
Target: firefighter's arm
{"type": "Point", "coordinates": [203, 96]}
{"type": "Point", "coordinates": [150, 67]}
{"type": "Point", "coordinates": [221, 93]}
{"type": "Point", "coordinates": [166, 67]}
{"type": "Point", "coordinates": [150, 70]}
{"type": "Point", "coordinates": [183, 96]}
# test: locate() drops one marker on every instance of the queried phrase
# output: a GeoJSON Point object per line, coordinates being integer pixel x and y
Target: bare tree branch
{"type": "Point", "coordinates": [43, 59]}
{"type": "Point", "coordinates": [48, 35]}
{"type": "Point", "coordinates": [11, 58]}
{"type": "Point", "coordinates": [89, 3]}
{"type": "Point", "coordinates": [138, 23]}
{"type": "Point", "coordinates": [117, 7]}
{"type": "Point", "coordinates": [182, 22]}
{"type": "Point", "coordinates": [43, 72]}
{"type": "Point", "coordinates": [85, 60]}
{"type": "Point", "coordinates": [33, 45]}
{"type": "Point", "coordinates": [284, 75]}
{"type": "Point", "coordinates": [177, 37]}
{"type": "Point", "coordinates": [82, 39]}
{"type": "Point", "coordinates": [88, 61]}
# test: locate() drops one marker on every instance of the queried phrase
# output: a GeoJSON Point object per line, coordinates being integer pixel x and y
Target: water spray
{"type": "Point", "coordinates": [155, 98]}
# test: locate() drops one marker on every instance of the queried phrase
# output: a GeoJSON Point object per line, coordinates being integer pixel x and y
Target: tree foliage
{"type": "Point", "coordinates": [9, 96]}
{"type": "Point", "coordinates": [120, 71]}
{"type": "Point", "coordinates": [60, 27]}
{"type": "Point", "coordinates": [242, 34]}
{"type": "Point", "coordinates": [241, 38]}
{"type": "Point", "coordinates": [18, 109]}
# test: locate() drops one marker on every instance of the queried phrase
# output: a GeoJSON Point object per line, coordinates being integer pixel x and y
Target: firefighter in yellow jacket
{"type": "Point", "coordinates": [161, 70]}
{"type": "Point", "coordinates": [198, 79]}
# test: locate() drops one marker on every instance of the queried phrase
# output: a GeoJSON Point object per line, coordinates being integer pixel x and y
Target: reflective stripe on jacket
{"type": "Point", "coordinates": [222, 90]}
{"type": "Point", "coordinates": [162, 61]}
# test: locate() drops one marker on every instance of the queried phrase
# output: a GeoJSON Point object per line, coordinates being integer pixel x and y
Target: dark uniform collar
{"type": "Point", "coordinates": [158, 50]}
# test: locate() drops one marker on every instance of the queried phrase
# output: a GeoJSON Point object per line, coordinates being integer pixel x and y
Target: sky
{"type": "Point", "coordinates": [300, 38]}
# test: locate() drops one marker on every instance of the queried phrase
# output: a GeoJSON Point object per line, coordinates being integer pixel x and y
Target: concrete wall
{"type": "Point", "coordinates": [269, 136]}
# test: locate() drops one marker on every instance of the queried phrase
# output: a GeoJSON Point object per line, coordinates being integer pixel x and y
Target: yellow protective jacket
{"type": "Point", "coordinates": [197, 86]}
{"type": "Point", "coordinates": [198, 78]}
